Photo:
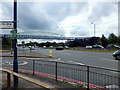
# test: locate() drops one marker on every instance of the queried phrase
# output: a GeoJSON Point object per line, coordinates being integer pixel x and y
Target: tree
{"type": "Point", "coordinates": [113, 39]}
{"type": "Point", "coordinates": [103, 41]}
{"type": "Point", "coordinates": [119, 40]}
{"type": "Point", "coordinates": [6, 43]}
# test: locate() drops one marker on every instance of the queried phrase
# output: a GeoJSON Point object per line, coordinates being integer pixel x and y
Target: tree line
{"type": "Point", "coordinates": [111, 40]}
{"type": "Point", "coordinates": [47, 44]}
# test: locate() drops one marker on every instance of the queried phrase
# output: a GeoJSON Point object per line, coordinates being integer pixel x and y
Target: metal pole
{"type": "Point", "coordinates": [56, 70]}
{"type": "Point", "coordinates": [87, 77]}
{"type": "Point", "coordinates": [8, 80]}
{"type": "Point", "coordinates": [15, 62]}
{"type": "Point", "coordinates": [94, 29]}
{"type": "Point", "coordinates": [33, 67]}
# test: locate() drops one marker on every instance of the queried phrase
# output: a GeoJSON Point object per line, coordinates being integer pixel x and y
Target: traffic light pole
{"type": "Point", "coordinates": [15, 61]}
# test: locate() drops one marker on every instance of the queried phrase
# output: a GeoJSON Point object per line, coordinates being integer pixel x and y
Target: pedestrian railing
{"type": "Point", "coordinates": [43, 85]}
{"type": "Point", "coordinates": [85, 75]}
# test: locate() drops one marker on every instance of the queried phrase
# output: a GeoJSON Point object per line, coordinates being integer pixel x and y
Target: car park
{"type": "Point", "coordinates": [116, 54]}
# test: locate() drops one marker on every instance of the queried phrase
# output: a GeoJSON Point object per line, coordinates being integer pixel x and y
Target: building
{"type": "Point", "coordinates": [83, 41]}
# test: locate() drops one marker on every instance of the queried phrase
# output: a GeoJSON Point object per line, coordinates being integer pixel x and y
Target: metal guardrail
{"type": "Point", "coordinates": [90, 76]}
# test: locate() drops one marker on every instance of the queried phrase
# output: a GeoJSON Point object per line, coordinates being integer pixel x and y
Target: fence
{"type": "Point", "coordinates": [89, 76]}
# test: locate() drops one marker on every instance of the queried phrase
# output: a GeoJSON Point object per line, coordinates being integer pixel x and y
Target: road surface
{"type": "Point", "coordinates": [100, 59]}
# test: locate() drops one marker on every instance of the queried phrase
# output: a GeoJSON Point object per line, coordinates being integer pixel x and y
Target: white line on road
{"type": "Point", "coordinates": [34, 58]}
{"type": "Point", "coordinates": [109, 59]}
{"type": "Point", "coordinates": [55, 59]}
{"type": "Point", "coordinates": [76, 62]}
{"type": "Point", "coordinates": [22, 63]}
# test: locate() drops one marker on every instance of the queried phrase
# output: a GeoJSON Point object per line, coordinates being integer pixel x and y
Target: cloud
{"type": "Point", "coordinates": [104, 16]}
{"type": "Point", "coordinates": [102, 9]}
{"type": "Point", "coordinates": [6, 11]}
{"type": "Point", "coordinates": [66, 18]}
{"type": "Point", "coordinates": [34, 18]}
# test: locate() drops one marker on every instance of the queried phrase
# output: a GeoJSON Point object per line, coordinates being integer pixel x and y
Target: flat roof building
{"type": "Point", "coordinates": [83, 41]}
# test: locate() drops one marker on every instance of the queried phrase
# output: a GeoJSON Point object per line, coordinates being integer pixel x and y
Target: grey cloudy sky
{"type": "Point", "coordinates": [66, 18]}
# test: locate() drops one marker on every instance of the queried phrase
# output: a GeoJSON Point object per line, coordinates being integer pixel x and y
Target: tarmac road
{"type": "Point", "coordinates": [100, 59]}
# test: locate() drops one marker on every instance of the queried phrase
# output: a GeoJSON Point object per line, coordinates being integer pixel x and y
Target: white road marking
{"type": "Point", "coordinates": [22, 63]}
{"type": "Point", "coordinates": [76, 62]}
{"type": "Point", "coordinates": [45, 58]}
{"type": "Point", "coordinates": [109, 59]}
{"type": "Point", "coordinates": [34, 58]}
{"type": "Point", "coordinates": [55, 59]}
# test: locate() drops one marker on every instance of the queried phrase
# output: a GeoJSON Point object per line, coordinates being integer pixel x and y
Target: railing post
{"type": "Point", "coordinates": [87, 77]}
{"type": "Point", "coordinates": [8, 80]}
{"type": "Point", "coordinates": [33, 67]}
{"type": "Point", "coordinates": [56, 71]}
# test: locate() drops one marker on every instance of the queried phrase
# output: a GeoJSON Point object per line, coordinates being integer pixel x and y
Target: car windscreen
{"type": "Point", "coordinates": [117, 52]}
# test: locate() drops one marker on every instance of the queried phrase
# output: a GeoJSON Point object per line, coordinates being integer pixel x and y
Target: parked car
{"type": "Point", "coordinates": [59, 48]}
{"type": "Point", "coordinates": [116, 46]}
{"type": "Point", "coordinates": [44, 46]}
{"type": "Point", "coordinates": [66, 47]}
{"type": "Point", "coordinates": [113, 47]}
{"type": "Point", "coordinates": [51, 46]}
{"type": "Point", "coordinates": [97, 46]}
{"type": "Point", "coordinates": [31, 47]}
{"type": "Point", "coordinates": [116, 54]}
{"type": "Point", "coordinates": [88, 47]}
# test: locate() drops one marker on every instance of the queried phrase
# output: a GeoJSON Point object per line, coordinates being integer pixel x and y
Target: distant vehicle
{"type": "Point", "coordinates": [59, 48]}
{"type": "Point", "coordinates": [31, 47]}
{"type": "Point", "coordinates": [88, 47]}
{"type": "Point", "coordinates": [66, 47]}
{"type": "Point", "coordinates": [44, 46]}
{"type": "Point", "coordinates": [116, 54]}
{"type": "Point", "coordinates": [23, 46]}
{"type": "Point", "coordinates": [97, 46]}
{"type": "Point", "coordinates": [113, 47]}
{"type": "Point", "coordinates": [51, 46]}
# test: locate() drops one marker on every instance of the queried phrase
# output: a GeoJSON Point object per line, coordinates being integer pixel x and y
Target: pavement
{"type": "Point", "coordinates": [23, 84]}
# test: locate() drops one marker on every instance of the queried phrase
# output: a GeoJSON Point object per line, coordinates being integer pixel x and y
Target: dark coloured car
{"type": "Point", "coordinates": [116, 54]}
{"type": "Point", "coordinates": [97, 46]}
{"type": "Point", "coordinates": [113, 47]}
{"type": "Point", "coordinates": [59, 48]}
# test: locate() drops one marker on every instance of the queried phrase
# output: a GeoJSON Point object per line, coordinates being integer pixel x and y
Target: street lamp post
{"type": "Point", "coordinates": [94, 28]}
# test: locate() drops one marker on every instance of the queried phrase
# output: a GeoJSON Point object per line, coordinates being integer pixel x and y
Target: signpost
{"type": "Point", "coordinates": [14, 35]}
{"type": "Point", "coordinates": [13, 25]}
{"type": "Point", "coordinates": [6, 24]}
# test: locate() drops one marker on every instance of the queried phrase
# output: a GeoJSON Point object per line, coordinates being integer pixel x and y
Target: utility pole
{"type": "Point", "coordinates": [94, 28]}
{"type": "Point", "coordinates": [15, 61]}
